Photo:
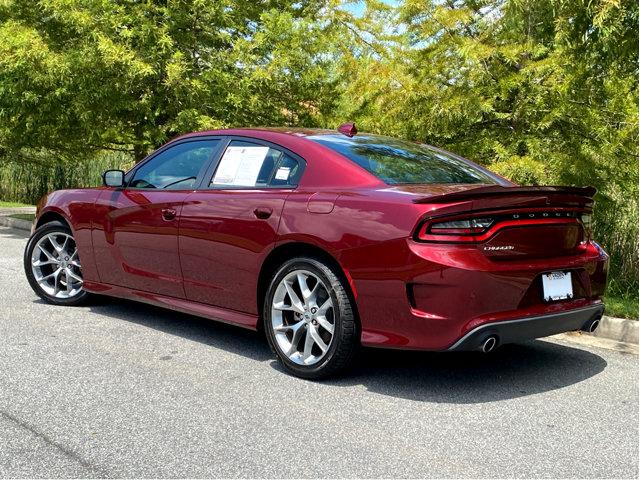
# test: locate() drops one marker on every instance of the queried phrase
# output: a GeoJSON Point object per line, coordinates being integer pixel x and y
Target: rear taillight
{"type": "Point", "coordinates": [454, 230]}
{"type": "Point", "coordinates": [468, 229]}
{"type": "Point", "coordinates": [471, 226]}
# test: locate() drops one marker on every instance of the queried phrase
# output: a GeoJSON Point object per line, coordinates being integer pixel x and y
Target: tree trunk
{"type": "Point", "coordinates": [139, 152]}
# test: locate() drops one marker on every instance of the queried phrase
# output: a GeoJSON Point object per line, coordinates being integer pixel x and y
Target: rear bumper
{"type": "Point", "coordinates": [510, 331]}
{"type": "Point", "coordinates": [428, 296]}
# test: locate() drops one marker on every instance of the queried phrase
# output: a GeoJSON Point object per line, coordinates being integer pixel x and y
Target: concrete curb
{"type": "Point", "coordinates": [10, 210]}
{"type": "Point", "coordinates": [15, 223]}
{"type": "Point", "coordinates": [8, 221]}
{"type": "Point", "coordinates": [619, 329]}
{"type": "Point", "coordinates": [619, 334]}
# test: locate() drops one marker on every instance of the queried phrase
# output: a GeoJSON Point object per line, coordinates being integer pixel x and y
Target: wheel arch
{"type": "Point", "coordinates": [288, 250]}
{"type": "Point", "coordinates": [52, 216]}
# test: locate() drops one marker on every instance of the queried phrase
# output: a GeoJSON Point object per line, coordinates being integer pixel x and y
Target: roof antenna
{"type": "Point", "coordinates": [348, 129]}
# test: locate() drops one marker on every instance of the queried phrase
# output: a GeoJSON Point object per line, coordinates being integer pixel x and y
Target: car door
{"type": "Point", "coordinates": [136, 241]}
{"type": "Point", "coordinates": [229, 226]}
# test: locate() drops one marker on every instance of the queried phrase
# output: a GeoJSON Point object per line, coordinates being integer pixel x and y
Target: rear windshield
{"type": "Point", "coordinates": [398, 161]}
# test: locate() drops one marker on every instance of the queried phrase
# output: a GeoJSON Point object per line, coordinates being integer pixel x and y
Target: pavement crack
{"type": "Point", "coordinates": [70, 454]}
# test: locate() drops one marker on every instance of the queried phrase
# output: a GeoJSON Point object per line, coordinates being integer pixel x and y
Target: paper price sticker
{"type": "Point", "coordinates": [282, 173]}
{"type": "Point", "coordinates": [240, 166]}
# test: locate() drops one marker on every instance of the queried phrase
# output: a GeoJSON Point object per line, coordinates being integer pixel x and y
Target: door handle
{"type": "Point", "coordinates": [263, 212]}
{"type": "Point", "coordinates": [168, 213]}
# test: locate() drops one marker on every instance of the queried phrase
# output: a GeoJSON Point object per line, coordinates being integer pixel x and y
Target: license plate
{"type": "Point", "coordinates": [557, 286]}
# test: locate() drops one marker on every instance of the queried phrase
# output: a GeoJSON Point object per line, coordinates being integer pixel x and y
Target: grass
{"type": "Point", "coordinates": [13, 204]}
{"type": "Point", "coordinates": [622, 307]}
{"type": "Point", "coordinates": [23, 216]}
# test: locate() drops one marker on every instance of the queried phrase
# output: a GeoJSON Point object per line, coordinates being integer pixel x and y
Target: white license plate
{"type": "Point", "coordinates": [557, 286]}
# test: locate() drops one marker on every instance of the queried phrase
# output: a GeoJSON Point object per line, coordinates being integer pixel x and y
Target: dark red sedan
{"type": "Point", "coordinates": [327, 240]}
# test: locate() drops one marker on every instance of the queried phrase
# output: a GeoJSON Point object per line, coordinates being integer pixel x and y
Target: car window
{"type": "Point", "coordinates": [247, 164]}
{"type": "Point", "coordinates": [397, 161]}
{"type": "Point", "coordinates": [176, 168]}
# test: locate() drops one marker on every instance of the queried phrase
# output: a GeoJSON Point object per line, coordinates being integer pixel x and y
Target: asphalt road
{"type": "Point", "coordinates": [119, 389]}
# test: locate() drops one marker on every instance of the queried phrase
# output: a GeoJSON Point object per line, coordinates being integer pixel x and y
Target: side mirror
{"type": "Point", "coordinates": [113, 178]}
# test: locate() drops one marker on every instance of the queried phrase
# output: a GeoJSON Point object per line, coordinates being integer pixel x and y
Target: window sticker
{"type": "Point", "coordinates": [282, 173]}
{"type": "Point", "coordinates": [240, 166]}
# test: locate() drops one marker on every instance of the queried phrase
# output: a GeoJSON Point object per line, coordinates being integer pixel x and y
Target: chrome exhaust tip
{"type": "Point", "coordinates": [488, 345]}
{"type": "Point", "coordinates": [590, 327]}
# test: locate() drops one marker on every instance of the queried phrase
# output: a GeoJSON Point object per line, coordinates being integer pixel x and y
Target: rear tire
{"type": "Point", "coordinates": [52, 265]}
{"type": "Point", "coordinates": [309, 319]}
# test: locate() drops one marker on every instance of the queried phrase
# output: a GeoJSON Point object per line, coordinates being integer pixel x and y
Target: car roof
{"type": "Point", "coordinates": [261, 132]}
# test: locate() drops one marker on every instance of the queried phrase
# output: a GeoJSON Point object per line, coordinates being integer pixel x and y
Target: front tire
{"type": "Point", "coordinates": [52, 265]}
{"type": "Point", "coordinates": [309, 319]}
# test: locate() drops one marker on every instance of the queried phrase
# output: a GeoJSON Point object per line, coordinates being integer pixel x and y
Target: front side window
{"type": "Point", "coordinates": [252, 165]}
{"type": "Point", "coordinates": [397, 161]}
{"type": "Point", "coordinates": [176, 168]}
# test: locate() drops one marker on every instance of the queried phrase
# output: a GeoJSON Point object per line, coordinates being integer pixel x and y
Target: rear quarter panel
{"type": "Point", "coordinates": [366, 232]}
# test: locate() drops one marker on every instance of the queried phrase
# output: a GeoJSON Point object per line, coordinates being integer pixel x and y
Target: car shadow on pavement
{"type": "Point", "coordinates": [208, 332]}
{"type": "Point", "coordinates": [511, 371]}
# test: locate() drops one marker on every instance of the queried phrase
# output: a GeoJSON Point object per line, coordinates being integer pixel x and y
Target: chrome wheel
{"type": "Point", "coordinates": [56, 266]}
{"type": "Point", "coordinates": [303, 317]}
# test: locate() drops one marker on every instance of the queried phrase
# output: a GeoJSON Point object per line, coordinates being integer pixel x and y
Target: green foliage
{"type": "Point", "coordinates": [522, 170]}
{"type": "Point", "coordinates": [29, 217]}
{"type": "Point", "coordinates": [621, 307]}
{"type": "Point", "coordinates": [28, 182]}
{"type": "Point", "coordinates": [82, 75]}
{"type": "Point", "coordinates": [13, 204]}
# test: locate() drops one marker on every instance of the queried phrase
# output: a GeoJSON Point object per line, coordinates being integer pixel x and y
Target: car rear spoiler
{"type": "Point", "coordinates": [587, 193]}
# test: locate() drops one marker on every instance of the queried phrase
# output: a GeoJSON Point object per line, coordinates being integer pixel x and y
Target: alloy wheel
{"type": "Point", "coordinates": [56, 266]}
{"type": "Point", "coordinates": [303, 317]}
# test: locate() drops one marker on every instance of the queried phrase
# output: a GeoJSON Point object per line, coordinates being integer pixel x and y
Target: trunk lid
{"type": "Point", "coordinates": [525, 222]}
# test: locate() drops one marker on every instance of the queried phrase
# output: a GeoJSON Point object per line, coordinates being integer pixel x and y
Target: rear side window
{"type": "Point", "coordinates": [396, 161]}
{"type": "Point", "coordinates": [252, 165]}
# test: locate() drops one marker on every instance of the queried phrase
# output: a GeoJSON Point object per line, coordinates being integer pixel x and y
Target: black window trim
{"type": "Point", "coordinates": [210, 172]}
{"type": "Point", "coordinates": [130, 175]}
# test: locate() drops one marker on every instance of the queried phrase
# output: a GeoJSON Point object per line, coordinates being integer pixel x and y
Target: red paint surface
{"type": "Point", "coordinates": [134, 245]}
{"type": "Point", "coordinates": [409, 293]}
{"type": "Point", "coordinates": [223, 244]}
